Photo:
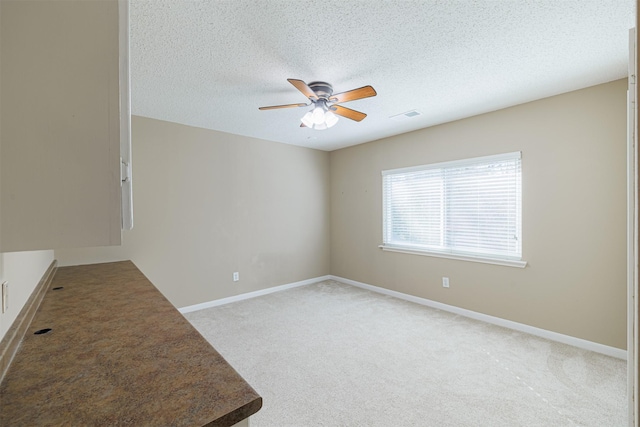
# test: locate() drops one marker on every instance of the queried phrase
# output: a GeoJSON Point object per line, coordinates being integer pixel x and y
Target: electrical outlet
{"type": "Point", "coordinates": [236, 276]}
{"type": "Point", "coordinates": [5, 296]}
{"type": "Point", "coordinates": [445, 282]}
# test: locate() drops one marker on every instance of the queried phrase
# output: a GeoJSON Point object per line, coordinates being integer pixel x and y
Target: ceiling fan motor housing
{"type": "Point", "coordinates": [321, 89]}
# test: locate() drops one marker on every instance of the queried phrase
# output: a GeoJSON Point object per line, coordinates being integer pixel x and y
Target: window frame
{"type": "Point", "coordinates": [451, 253]}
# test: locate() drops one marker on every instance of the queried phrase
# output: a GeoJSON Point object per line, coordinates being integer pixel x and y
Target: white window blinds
{"type": "Point", "coordinates": [470, 207]}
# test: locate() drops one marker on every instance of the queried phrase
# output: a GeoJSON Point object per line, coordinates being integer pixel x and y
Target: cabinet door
{"type": "Point", "coordinates": [60, 128]}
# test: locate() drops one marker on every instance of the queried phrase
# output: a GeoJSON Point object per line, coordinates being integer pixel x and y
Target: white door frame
{"type": "Point", "coordinates": [632, 236]}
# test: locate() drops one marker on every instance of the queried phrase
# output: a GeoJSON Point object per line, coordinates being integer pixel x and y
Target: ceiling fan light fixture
{"type": "Point", "coordinates": [318, 115]}
{"type": "Point", "coordinates": [330, 118]}
{"type": "Point", "coordinates": [307, 120]}
{"type": "Point", "coordinates": [320, 118]}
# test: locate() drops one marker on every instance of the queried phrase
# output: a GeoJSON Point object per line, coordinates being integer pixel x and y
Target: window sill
{"type": "Point", "coordinates": [485, 260]}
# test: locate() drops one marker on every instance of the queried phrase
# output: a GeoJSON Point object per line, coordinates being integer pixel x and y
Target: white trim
{"type": "Point", "coordinates": [248, 295]}
{"type": "Point", "coordinates": [126, 192]}
{"type": "Point", "coordinates": [485, 260]}
{"type": "Point", "coordinates": [543, 333]}
{"type": "Point", "coordinates": [632, 234]}
{"type": "Point", "coordinates": [457, 163]}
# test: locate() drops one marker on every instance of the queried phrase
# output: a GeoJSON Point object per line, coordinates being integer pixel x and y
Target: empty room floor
{"type": "Point", "coordinates": [330, 354]}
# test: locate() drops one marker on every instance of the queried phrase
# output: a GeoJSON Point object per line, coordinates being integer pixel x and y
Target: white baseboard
{"type": "Point", "coordinates": [248, 295]}
{"type": "Point", "coordinates": [543, 333]}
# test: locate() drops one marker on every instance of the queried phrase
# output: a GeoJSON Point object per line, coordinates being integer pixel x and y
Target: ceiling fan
{"type": "Point", "coordinates": [326, 103]}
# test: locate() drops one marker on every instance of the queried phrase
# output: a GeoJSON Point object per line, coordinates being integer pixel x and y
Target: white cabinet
{"type": "Point", "coordinates": [64, 122]}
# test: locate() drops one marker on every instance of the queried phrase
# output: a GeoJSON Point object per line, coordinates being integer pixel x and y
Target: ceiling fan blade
{"type": "Point", "coordinates": [304, 88]}
{"type": "Point", "coordinates": [352, 95]}
{"type": "Point", "coordinates": [274, 107]}
{"type": "Point", "coordinates": [348, 113]}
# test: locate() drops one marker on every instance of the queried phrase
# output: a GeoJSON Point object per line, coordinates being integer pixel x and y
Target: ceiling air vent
{"type": "Point", "coordinates": [406, 115]}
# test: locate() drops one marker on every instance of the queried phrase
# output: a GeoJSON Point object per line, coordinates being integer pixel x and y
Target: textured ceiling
{"type": "Point", "coordinates": [211, 64]}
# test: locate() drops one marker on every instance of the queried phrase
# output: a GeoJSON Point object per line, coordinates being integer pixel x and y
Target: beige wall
{"type": "Point", "coordinates": [208, 203]}
{"type": "Point", "coordinates": [574, 214]}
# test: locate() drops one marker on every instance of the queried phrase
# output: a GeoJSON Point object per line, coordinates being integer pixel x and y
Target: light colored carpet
{"type": "Point", "coordinates": [331, 354]}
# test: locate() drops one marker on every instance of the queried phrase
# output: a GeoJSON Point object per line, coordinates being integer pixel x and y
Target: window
{"type": "Point", "coordinates": [468, 209]}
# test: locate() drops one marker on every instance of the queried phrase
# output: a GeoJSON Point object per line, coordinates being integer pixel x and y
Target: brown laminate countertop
{"type": "Point", "coordinates": [118, 353]}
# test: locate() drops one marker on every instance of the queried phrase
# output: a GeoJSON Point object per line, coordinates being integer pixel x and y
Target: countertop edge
{"type": "Point", "coordinates": [237, 415]}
